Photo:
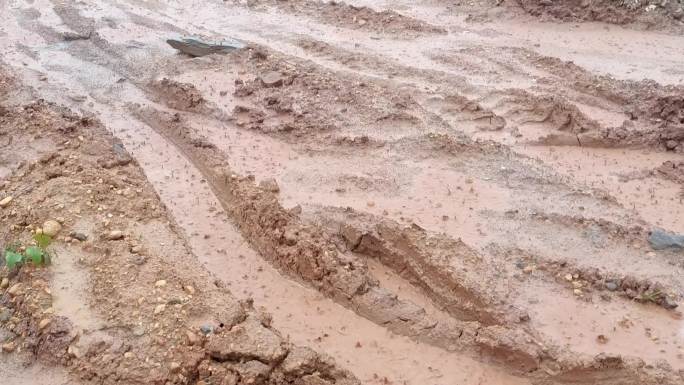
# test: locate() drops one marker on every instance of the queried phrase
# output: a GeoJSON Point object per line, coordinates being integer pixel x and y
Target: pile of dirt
{"type": "Point", "coordinates": [653, 111]}
{"type": "Point", "coordinates": [278, 95]}
{"type": "Point", "coordinates": [121, 302]}
{"type": "Point", "coordinates": [180, 96]}
{"type": "Point", "coordinates": [355, 17]}
{"type": "Point", "coordinates": [650, 13]}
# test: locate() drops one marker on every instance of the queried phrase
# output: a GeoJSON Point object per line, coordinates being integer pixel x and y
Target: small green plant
{"type": "Point", "coordinates": [651, 296]}
{"type": "Point", "coordinates": [38, 255]}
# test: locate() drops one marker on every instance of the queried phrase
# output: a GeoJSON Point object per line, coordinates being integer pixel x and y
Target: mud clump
{"type": "Point", "coordinates": [177, 95]}
{"type": "Point", "coordinates": [673, 171]}
{"type": "Point", "coordinates": [278, 96]}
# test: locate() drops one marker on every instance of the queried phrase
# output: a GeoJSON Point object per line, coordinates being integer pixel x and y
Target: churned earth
{"type": "Point", "coordinates": [388, 192]}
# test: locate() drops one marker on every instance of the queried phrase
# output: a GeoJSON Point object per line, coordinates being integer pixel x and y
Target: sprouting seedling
{"type": "Point", "coordinates": [38, 255]}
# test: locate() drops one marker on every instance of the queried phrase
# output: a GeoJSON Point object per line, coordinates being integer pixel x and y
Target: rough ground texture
{"type": "Point", "coordinates": [648, 13]}
{"type": "Point", "coordinates": [368, 192]}
{"type": "Point", "coordinates": [142, 299]}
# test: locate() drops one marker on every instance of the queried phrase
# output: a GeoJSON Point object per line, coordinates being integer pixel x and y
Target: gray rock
{"type": "Point", "coordinates": [661, 239]}
{"type": "Point", "coordinates": [5, 315]}
{"type": "Point", "coordinates": [206, 329]}
{"type": "Point", "coordinates": [611, 286]}
{"type": "Point", "coordinates": [669, 303]}
{"type": "Point", "coordinates": [79, 236]}
{"type": "Point", "coordinates": [272, 79]}
{"type": "Point", "coordinates": [196, 48]}
{"type": "Point", "coordinates": [139, 331]}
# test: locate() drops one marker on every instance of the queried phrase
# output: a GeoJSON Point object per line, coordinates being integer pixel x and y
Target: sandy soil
{"type": "Point", "coordinates": [368, 192]}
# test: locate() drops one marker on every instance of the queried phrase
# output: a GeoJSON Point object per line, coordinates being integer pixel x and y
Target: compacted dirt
{"type": "Point", "coordinates": [399, 192]}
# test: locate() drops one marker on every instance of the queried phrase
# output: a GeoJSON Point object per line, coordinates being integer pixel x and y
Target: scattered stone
{"type": "Point", "coordinates": [5, 315]}
{"type": "Point", "coordinates": [160, 308]}
{"type": "Point", "coordinates": [9, 347]}
{"type": "Point", "coordinates": [269, 184]}
{"type": "Point", "coordinates": [160, 283]}
{"type": "Point", "coordinates": [192, 338]}
{"type": "Point", "coordinates": [51, 228]}
{"type": "Point", "coordinates": [669, 303]}
{"type": "Point", "coordinates": [189, 289]}
{"type": "Point", "coordinates": [577, 292]}
{"type": "Point", "coordinates": [78, 236]}
{"type": "Point", "coordinates": [272, 79]}
{"type": "Point", "coordinates": [611, 286]}
{"type": "Point", "coordinates": [129, 355]}
{"type": "Point", "coordinates": [138, 260]}
{"type": "Point", "coordinates": [137, 249]}
{"type": "Point", "coordinates": [661, 239]}
{"type": "Point", "coordinates": [601, 339]}
{"type": "Point", "coordinates": [671, 144]}
{"type": "Point", "coordinates": [4, 284]}
{"type": "Point", "coordinates": [206, 329]}
{"type": "Point", "coordinates": [138, 331]}
{"type": "Point", "coordinates": [74, 351]}
{"type": "Point", "coordinates": [568, 277]}
{"type": "Point", "coordinates": [44, 323]}
{"type": "Point", "coordinates": [5, 201]}
{"type": "Point", "coordinates": [174, 367]}
{"type": "Point", "coordinates": [115, 235]}
{"type": "Point", "coordinates": [14, 290]}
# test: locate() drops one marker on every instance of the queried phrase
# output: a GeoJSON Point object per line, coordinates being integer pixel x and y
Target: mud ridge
{"type": "Point", "coordinates": [345, 15]}
{"type": "Point", "coordinates": [648, 14]}
{"type": "Point", "coordinates": [120, 332]}
{"type": "Point", "coordinates": [256, 211]}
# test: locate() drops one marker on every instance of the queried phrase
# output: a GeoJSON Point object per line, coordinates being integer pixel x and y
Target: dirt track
{"type": "Point", "coordinates": [373, 192]}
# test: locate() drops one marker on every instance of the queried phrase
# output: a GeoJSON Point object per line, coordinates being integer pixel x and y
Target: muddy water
{"type": "Point", "coordinates": [368, 350]}
{"type": "Point", "coordinates": [609, 169]}
{"type": "Point", "coordinates": [368, 183]}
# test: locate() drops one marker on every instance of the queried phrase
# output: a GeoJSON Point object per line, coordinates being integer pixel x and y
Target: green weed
{"type": "Point", "coordinates": [37, 255]}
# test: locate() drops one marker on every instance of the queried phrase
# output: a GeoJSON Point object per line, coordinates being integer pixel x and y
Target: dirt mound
{"type": "Point", "coordinates": [648, 13]}
{"type": "Point", "coordinates": [180, 96]}
{"type": "Point", "coordinates": [128, 309]}
{"type": "Point", "coordinates": [275, 95]}
{"type": "Point", "coordinates": [653, 112]}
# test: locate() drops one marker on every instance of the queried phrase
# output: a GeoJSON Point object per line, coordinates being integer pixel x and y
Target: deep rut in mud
{"type": "Point", "coordinates": [423, 196]}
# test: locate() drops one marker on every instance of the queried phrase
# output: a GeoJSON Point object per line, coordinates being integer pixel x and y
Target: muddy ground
{"type": "Point", "coordinates": [367, 192]}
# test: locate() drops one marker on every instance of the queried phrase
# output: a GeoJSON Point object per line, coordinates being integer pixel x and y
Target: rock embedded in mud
{"type": "Point", "coordinates": [4, 284]}
{"type": "Point", "coordinates": [114, 235]}
{"type": "Point", "coordinates": [6, 201]}
{"type": "Point", "coordinates": [272, 79]}
{"type": "Point", "coordinates": [5, 314]}
{"type": "Point", "coordinates": [611, 286]}
{"type": "Point", "coordinates": [206, 329]}
{"type": "Point", "coordinates": [44, 323]}
{"type": "Point", "coordinates": [661, 239]}
{"type": "Point", "coordinates": [78, 236]}
{"type": "Point", "coordinates": [269, 184]}
{"type": "Point", "coordinates": [9, 347]}
{"type": "Point", "coordinates": [51, 228]}
{"type": "Point", "coordinates": [249, 340]}
{"type": "Point", "coordinates": [15, 289]}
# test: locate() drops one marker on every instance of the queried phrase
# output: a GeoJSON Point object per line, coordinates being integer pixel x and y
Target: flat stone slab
{"type": "Point", "coordinates": [196, 48]}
